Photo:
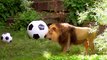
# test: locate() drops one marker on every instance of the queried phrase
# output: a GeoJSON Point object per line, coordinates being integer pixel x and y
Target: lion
{"type": "Point", "coordinates": [66, 35]}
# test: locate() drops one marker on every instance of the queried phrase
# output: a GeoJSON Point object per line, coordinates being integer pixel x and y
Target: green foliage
{"type": "Point", "coordinates": [21, 20]}
{"type": "Point", "coordinates": [83, 10]}
{"type": "Point", "coordinates": [79, 57]}
{"type": "Point", "coordinates": [20, 10]}
{"type": "Point", "coordinates": [11, 7]}
{"type": "Point", "coordinates": [76, 7]}
{"type": "Point", "coordinates": [101, 43]}
{"type": "Point", "coordinates": [80, 5]}
{"type": "Point", "coordinates": [86, 16]}
{"type": "Point", "coordinates": [98, 14]}
{"type": "Point", "coordinates": [72, 18]}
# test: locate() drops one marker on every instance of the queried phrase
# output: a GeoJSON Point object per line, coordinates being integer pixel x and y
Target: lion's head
{"type": "Point", "coordinates": [53, 33]}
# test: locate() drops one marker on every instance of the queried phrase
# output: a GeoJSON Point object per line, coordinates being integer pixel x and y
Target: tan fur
{"type": "Point", "coordinates": [66, 35]}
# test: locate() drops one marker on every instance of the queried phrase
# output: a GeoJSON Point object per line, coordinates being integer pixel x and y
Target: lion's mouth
{"type": "Point", "coordinates": [49, 38]}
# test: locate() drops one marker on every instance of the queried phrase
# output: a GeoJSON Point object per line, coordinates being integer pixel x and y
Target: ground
{"type": "Point", "coordinates": [25, 48]}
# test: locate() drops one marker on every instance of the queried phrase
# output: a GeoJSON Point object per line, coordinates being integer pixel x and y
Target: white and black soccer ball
{"type": "Point", "coordinates": [6, 37]}
{"type": "Point", "coordinates": [37, 29]}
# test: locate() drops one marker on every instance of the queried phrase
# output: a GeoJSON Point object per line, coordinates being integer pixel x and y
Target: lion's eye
{"type": "Point", "coordinates": [50, 32]}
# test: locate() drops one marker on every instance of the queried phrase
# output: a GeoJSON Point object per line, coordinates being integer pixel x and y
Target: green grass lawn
{"type": "Point", "coordinates": [24, 48]}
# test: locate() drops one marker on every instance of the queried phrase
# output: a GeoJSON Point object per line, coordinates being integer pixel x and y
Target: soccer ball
{"type": "Point", "coordinates": [37, 29]}
{"type": "Point", "coordinates": [6, 37]}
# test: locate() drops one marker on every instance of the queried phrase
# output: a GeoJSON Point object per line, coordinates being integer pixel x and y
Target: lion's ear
{"type": "Point", "coordinates": [54, 28]}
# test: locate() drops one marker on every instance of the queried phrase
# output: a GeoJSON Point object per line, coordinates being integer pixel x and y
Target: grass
{"type": "Point", "coordinates": [25, 48]}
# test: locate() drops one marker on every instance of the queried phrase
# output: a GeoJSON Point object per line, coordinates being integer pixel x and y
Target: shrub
{"type": "Point", "coordinates": [83, 10]}
{"type": "Point", "coordinates": [98, 14]}
{"type": "Point", "coordinates": [12, 7]}
{"type": "Point", "coordinates": [21, 20]}
{"type": "Point", "coordinates": [76, 7]}
{"type": "Point", "coordinates": [101, 43]}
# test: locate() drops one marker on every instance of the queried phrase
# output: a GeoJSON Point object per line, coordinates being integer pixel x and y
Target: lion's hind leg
{"type": "Point", "coordinates": [86, 45]}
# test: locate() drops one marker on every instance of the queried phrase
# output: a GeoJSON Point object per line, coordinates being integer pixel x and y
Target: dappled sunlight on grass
{"type": "Point", "coordinates": [79, 57]}
{"type": "Point", "coordinates": [46, 54]}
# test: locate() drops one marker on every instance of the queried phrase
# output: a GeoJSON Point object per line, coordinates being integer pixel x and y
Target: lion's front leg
{"type": "Point", "coordinates": [66, 46]}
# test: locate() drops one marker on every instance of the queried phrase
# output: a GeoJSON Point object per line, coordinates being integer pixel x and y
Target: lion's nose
{"type": "Point", "coordinates": [45, 36]}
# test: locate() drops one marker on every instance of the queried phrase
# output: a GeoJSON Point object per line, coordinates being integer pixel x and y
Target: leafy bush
{"type": "Point", "coordinates": [20, 10]}
{"type": "Point", "coordinates": [98, 14]}
{"type": "Point", "coordinates": [12, 7]}
{"type": "Point", "coordinates": [101, 43]}
{"type": "Point", "coordinates": [83, 10]}
{"type": "Point", "coordinates": [76, 7]}
{"type": "Point", "coordinates": [21, 20]}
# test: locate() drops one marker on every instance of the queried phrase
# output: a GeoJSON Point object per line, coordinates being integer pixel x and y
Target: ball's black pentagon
{"type": "Point", "coordinates": [30, 27]}
{"type": "Point", "coordinates": [7, 38]}
{"type": "Point", "coordinates": [1, 37]}
{"type": "Point", "coordinates": [41, 27]}
{"type": "Point", "coordinates": [36, 36]}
